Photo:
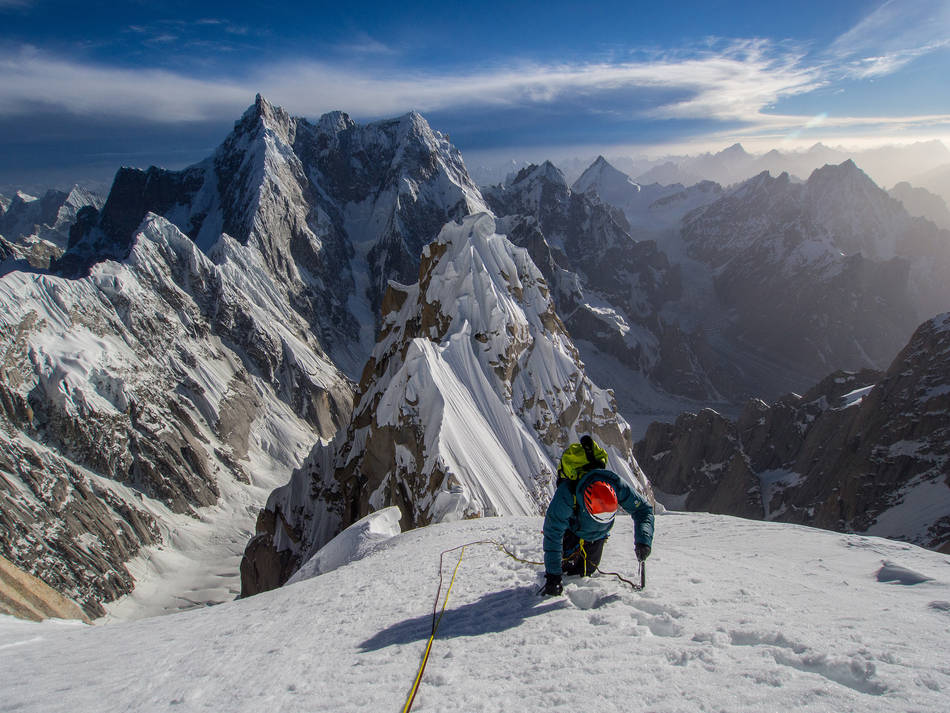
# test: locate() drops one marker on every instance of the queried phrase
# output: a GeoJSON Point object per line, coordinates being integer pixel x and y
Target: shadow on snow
{"type": "Point", "coordinates": [494, 612]}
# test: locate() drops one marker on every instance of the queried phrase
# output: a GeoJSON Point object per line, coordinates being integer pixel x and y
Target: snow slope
{"type": "Point", "coordinates": [737, 616]}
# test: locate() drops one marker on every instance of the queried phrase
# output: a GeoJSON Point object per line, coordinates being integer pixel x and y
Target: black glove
{"type": "Point", "coordinates": [552, 584]}
{"type": "Point", "coordinates": [643, 551]}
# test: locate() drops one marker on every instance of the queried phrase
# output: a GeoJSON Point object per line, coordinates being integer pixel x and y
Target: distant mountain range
{"type": "Point", "coordinates": [924, 164]}
{"type": "Point", "coordinates": [886, 165]}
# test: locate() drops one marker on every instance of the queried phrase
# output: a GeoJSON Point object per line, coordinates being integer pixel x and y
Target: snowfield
{"type": "Point", "coordinates": [737, 616]}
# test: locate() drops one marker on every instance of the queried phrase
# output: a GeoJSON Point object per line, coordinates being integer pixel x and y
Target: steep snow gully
{"type": "Point", "coordinates": [737, 616]}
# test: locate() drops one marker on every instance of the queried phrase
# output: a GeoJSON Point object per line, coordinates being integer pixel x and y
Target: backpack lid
{"type": "Point", "coordinates": [578, 458]}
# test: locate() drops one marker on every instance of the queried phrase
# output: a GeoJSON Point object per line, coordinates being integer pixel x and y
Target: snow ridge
{"type": "Point", "coordinates": [473, 390]}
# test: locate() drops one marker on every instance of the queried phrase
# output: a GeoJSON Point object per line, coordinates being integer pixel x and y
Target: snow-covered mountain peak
{"type": "Point", "coordinates": [334, 122]}
{"type": "Point", "coordinates": [534, 190]}
{"type": "Point", "coordinates": [335, 208]}
{"type": "Point", "coordinates": [39, 227]}
{"type": "Point", "coordinates": [414, 122]}
{"type": "Point", "coordinates": [493, 286]}
{"type": "Point", "coordinates": [546, 171]}
{"type": "Point", "coordinates": [270, 116]}
{"type": "Point", "coordinates": [611, 184]}
{"type": "Point", "coordinates": [760, 185]}
{"type": "Point", "coordinates": [863, 217]}
{"type": "Point", "coordinates": [846, 171]}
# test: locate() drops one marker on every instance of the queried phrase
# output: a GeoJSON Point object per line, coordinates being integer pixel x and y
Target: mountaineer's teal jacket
{"type": "Point", "coordinates": [565, 513]}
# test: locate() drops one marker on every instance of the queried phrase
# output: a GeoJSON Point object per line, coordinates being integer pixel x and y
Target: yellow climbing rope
{"type": "Point", "coordinates": [437, 617]}
{"type": "Point", "coordinates": [435, 622]}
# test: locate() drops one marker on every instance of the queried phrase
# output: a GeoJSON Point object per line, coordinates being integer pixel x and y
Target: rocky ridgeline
{"type": "Point", "coordinates": [472, 392]}
{"type": "Point", "coordinates": [861, 452]}
{"type": "Point", "coordinates": [336, 209]}
{"type": "Point", "coordinates": [145, 389]}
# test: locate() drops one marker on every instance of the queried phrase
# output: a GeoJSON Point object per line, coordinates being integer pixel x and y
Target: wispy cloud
{"type": "Point", "coordinates": [890, 37]}
{"type": "Point", "coordinates": [364, 44]}
{"type": "Point", "coordinates": [209, 32]}
{"type": "Point", "coordinates": [16, 4]}
{"type": "Point", "coordinates": [732, 84]}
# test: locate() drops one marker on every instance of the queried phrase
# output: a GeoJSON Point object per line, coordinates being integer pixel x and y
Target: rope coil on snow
{"type": "Point", "coordinates": [437, 615]}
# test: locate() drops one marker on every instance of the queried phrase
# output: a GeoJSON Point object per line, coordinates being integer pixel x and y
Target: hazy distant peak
{"type": "Point", "coordinates": [734, 151]}
{"type": "Point", "coordinates": [847, 170]}
{"type": "Point", "coordinates": [604, 178]}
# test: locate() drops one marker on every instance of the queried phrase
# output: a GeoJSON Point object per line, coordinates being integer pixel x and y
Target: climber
{"type": "Point", "coordinates": [581, 514]}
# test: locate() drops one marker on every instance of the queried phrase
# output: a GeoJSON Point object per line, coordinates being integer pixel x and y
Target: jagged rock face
{"type": "Point", "coordinates": [611, 287]}
{"type": "Point", "coordinates": [896, 483]}
{"type": "Point", "coordinates": [325, 203]}
{"type": "Point", "coordinates": [702, 464]}
{"type": "Point", "coordinates": [861, 452]}
{"type": "Point", "coordinates": [151, 387]}
{"type": "Point", "coordinates": [39, 227]}
{"type": "Point", "coordinates": [472, 392]}
{"type": "Point", "coordinates": [824, 275]}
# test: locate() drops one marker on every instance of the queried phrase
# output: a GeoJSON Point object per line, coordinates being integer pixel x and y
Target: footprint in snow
{"type": "Point", "coordinates": [586, 594]}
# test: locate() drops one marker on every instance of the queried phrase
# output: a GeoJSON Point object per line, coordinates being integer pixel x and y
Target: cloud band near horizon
{"type": "Point", "coordinates": [729, 85]}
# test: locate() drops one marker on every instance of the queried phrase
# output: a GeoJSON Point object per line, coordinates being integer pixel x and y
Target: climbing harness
{"type": "Point", "coordinates": [437, 614]}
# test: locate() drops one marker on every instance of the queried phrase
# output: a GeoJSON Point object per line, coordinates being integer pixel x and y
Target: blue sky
{"type": "Point", "coordinates": [86, 87]}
